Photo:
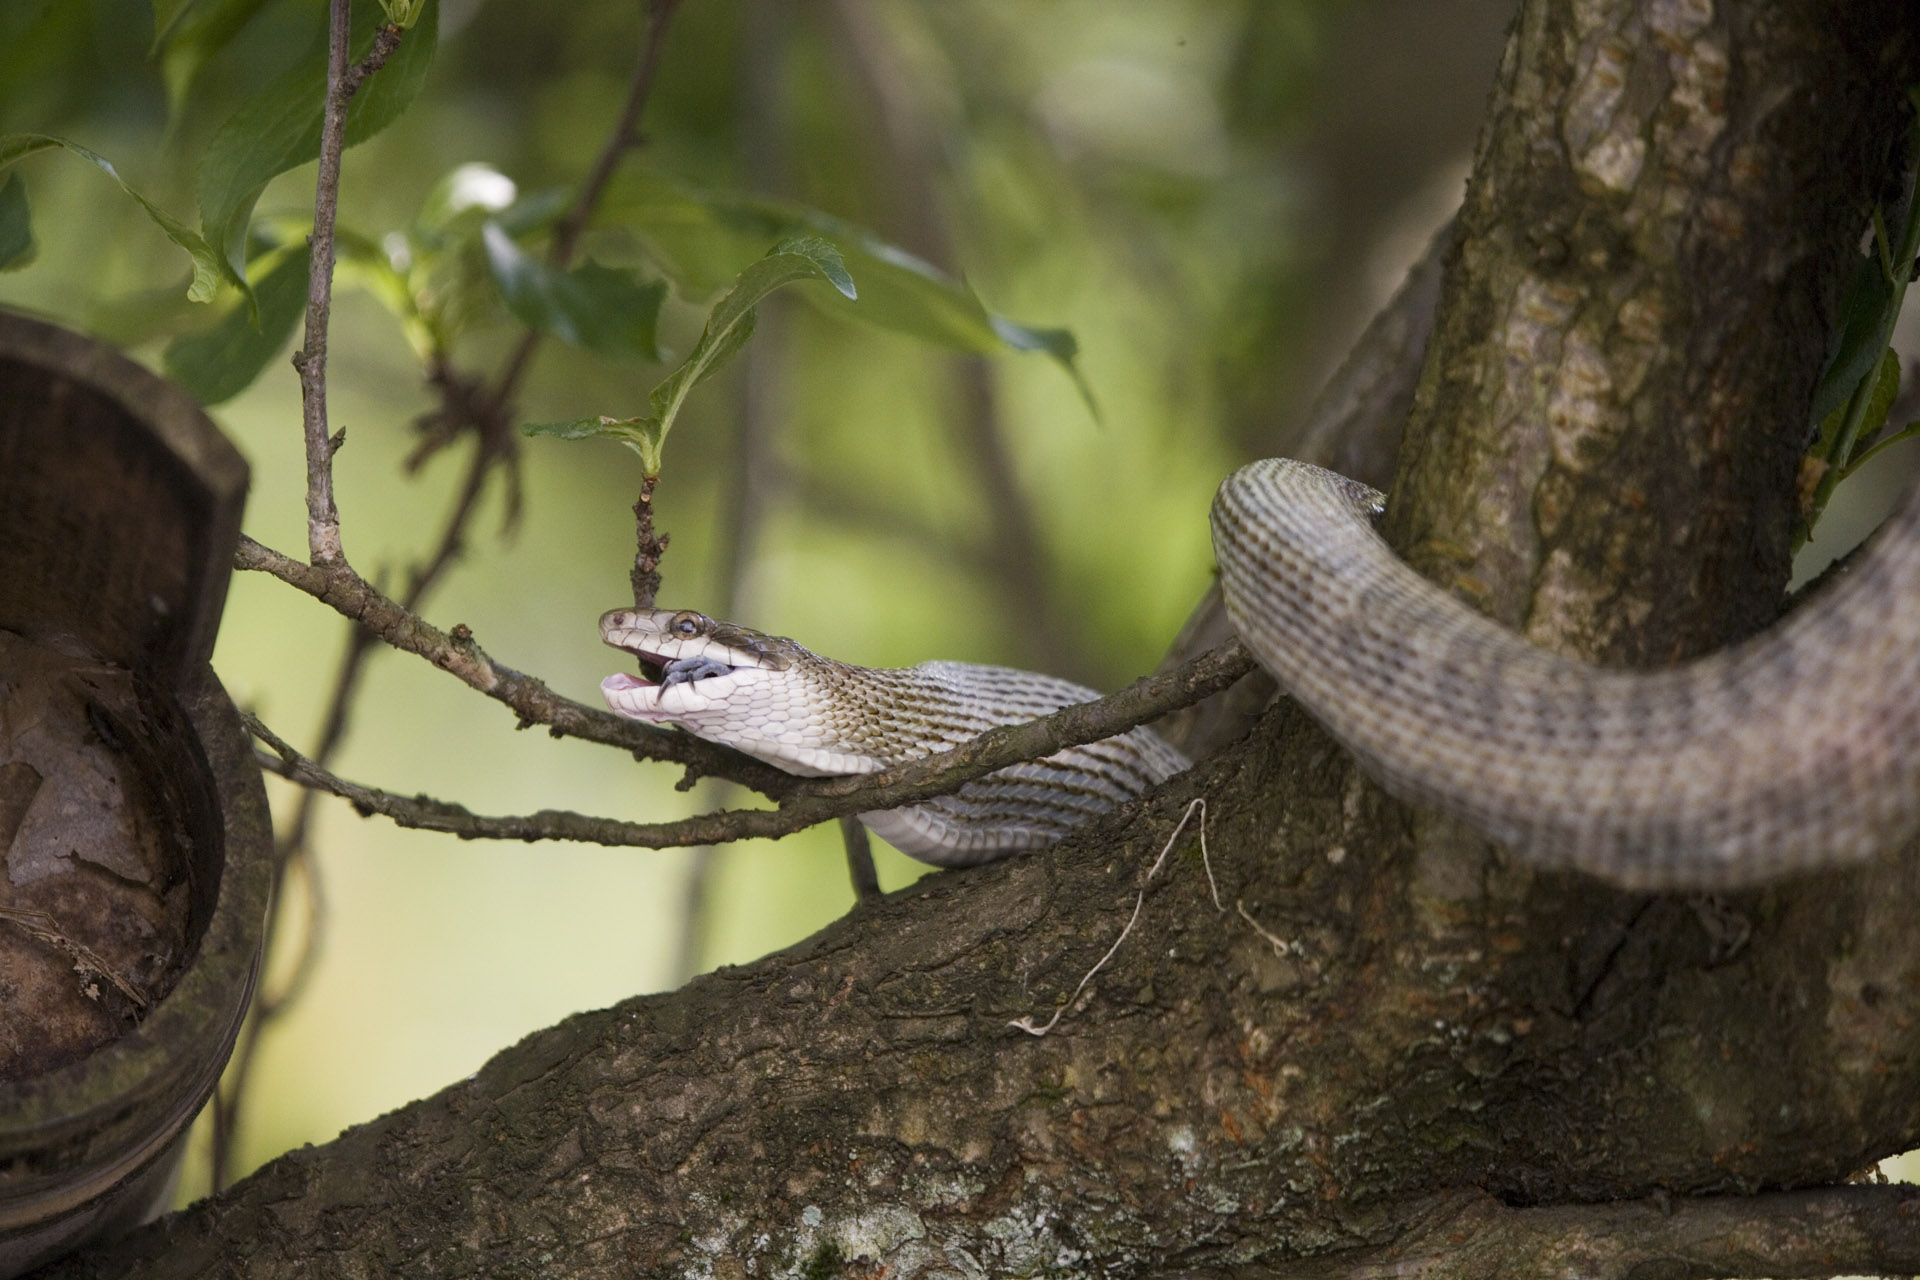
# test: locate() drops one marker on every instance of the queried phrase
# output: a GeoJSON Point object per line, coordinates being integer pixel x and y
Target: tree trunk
{"type": "Point", "coordinates": [1389, 1020]}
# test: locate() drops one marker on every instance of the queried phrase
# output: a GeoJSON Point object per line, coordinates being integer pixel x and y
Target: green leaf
{"type": "Point", "coordinates": [571, 429]}
{"type": "Point", "coordinates": [1865, 304]}
{"type": "Point", "coordinates": [1907, 432]}
{"type": "Point", "coordinates": [610, 311]}
{"type": "Point", "coordinates": [279, 127]}
{"type": "Point", "coordinates": [701, 238]}
{"type": "Point", "coordinates": [166, 13]}
{"type": "Point", "coordinates": [16, 225]}
{"type": "Point", "coordinates": [728, 328]}
{"type": "Point", "coordinates": [1880, 392]}
{"type": "Point", "coordinates": [186, 33]}
{"type": "Point", "coordinates": [206, 263]}
{"type": "Point", "coordinates": [219, 363]}
{"type": "Point", "coordinates": [639, 434]}
{"type": "Point", "coordinates": [403, 13]}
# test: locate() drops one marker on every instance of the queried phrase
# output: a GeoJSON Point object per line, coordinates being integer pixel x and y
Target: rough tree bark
{"type": "Point", "coordinates": [1601, 452]}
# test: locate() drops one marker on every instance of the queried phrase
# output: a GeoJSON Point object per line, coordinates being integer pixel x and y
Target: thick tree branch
{"type": "Point", "coordinates": [1354, 428]}
{"type": "Point", "coordinates": [1823, 1232]}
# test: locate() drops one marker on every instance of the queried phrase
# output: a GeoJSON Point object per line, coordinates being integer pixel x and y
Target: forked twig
{"type": "Point", "coordinates": [1199, 804]}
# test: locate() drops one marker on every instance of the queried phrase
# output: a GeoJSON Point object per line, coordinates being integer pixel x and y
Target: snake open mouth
{"type": "Point", "coordinates": [665, 672]}
{"type": "Point", "coordinates": [681, 667]}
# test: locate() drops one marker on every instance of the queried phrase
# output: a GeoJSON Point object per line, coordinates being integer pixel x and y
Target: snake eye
{"type": "Point", "coordinates": [687, 624]}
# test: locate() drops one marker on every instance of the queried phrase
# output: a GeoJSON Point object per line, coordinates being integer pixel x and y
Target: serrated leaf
{"type": "Point", "coordinates": [279, 127]}
{"type": "Point", "coordinates": [731, 324]}
{"type": "Point", "coordinates": [605, 309]}
{"type": "Point", "coordinates": [219, 363]}
{"type": "Point", "coordinates": [16, 225]}
{"type": "Point", "coordinates": [207, 265]}
{"type": "Point", "coordinates": [642, 435]}
{"type": "Point", "coordinates": [728, 327]}
{"type": "Point", "coordinates": [701, 238]}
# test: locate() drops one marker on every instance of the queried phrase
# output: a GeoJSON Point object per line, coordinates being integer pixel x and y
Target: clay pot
{"type": "Point", "coordinates": [129, 799]}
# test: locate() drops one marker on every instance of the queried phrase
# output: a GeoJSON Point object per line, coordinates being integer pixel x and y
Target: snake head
{"type": "Point", "coordinates": [689, 663]}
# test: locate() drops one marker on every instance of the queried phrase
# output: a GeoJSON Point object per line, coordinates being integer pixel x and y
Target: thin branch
{"type": "Point", "coordinates": [291, 847]}
{"type": "Point", "coordinates": [811, 801]}
{"type": "Point", "coordinates": [860, 869]}
{"type": "Point", "coordinates": [344, 590]}
{"type": "Point", "coordinates": [624, 136]}
{"type": "Point", "coordinates": [1873, 1230]}
{"type": "Point", "coordinates": [323, 517]}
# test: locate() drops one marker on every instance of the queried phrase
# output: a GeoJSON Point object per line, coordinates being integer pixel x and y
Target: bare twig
{"type": "Point", "coordinates": [623, 137]}
{"type": "Point", "coordinates": [814, 800]}
{"type": "Point", "coordinates": [323, 517]}
{"type": "Point", "coordinates": [1197, 805]}
{"type": "Point", "coordinates": [648, 547]}
{"type": "Point", "coordinates": [465, 403]}
{"type": "Point", "coordinates": [530, 700]}
{"type": "Point", "coordinates": [866, 881]}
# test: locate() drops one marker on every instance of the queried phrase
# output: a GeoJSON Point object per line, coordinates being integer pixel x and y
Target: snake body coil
{"type": "Point", "coordinates": [1797, 749]}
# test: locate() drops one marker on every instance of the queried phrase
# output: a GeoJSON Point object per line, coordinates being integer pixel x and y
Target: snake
{"type": "Point", "coordinates": [1795, 750]}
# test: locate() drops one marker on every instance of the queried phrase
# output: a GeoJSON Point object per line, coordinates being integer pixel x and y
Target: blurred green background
{"type": "Point", "coordinates": [1211, 195]}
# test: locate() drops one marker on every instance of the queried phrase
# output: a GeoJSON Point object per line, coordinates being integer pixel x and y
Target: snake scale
{"type": "Point", "coordinates": [1797, 749]}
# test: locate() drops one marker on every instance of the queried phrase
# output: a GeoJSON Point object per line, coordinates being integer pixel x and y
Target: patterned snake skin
{"type": "Point", "coordinates": [775, 700]}
{"type": "Point", "coordinates": [1796, 750]}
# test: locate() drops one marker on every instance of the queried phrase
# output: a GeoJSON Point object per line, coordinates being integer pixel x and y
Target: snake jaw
{"type": "Point", "coordinates": [688, 663]}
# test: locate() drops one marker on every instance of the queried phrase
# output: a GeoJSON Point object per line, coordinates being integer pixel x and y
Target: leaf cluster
{"type": "Point", "coordinates": [478, 251]}
{"type": "Point", "coordinates": [1860, 383]}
